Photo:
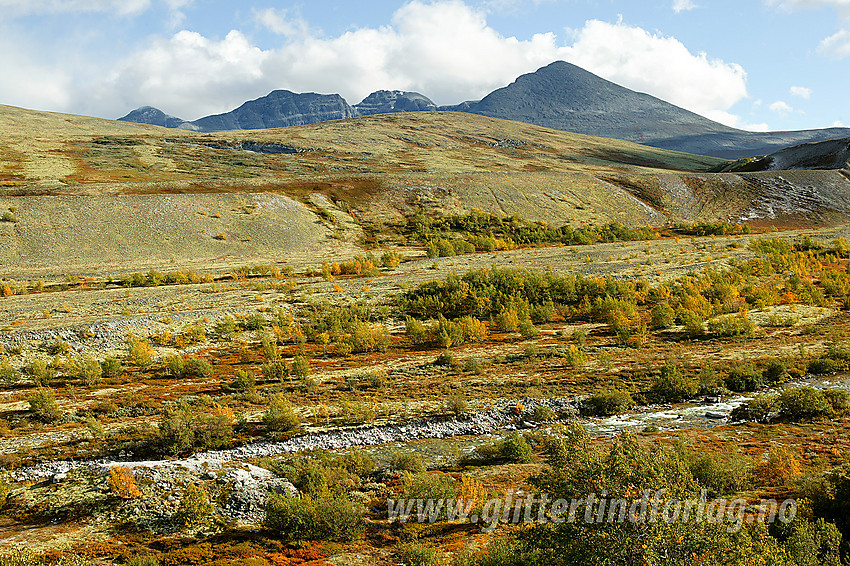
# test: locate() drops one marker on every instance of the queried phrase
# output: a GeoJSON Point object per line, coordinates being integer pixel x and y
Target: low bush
{"type": "Point", "coordinates": [40, 372]}
{"type": "Point", "coordinates": [778, 468]}
{"type": "Point", "coordinates": [195, 508]}
{"type": "Point", "coordinates": [607, 403]}
{"type": "Point", "coordinates": [673, 386]}
{"type": "Point", "coordinates": [43, 406]}
{"type": "Point", "coordinates": [542, 413]}
{"type": "Point", "coordinates": [184, 427]}
{"type": "Point", "coordinates": [407, 462]}
{"type": "Point", "coordinates": [758, 409]}
{"type": "Point", "coordinates": [197, 367]}
{"type": "Point", "coordinates": [243, 381]}
{"type": "Point", "coordinates": [456, 404]}
{"type": "Point", "coordinates": [175, 365]}
{"type": "Point", "coordinates": [428, 485]}
{"type": "Point", "coordinates": [721, 474]}
{"type": "Point", "coordinates": [140, 351]}
{"type": "Point", "coordinates": [111, 367]}
{"type": "Point", "coordinates": [280, 415]}
{"type": "Point", "coordinates": [806, 403]}
{"type": "Point", "coordinates": [511, 448]}
{"type": "Point", "coordinates": [744, 377]}
{"type": "Point", "coordinates": [731, 325]}
{"type": "Point", "coordinates": [329, 517]}
{"type": "Point", "coordinates": [417, 554]}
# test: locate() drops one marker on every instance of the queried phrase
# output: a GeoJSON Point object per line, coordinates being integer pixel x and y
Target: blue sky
{"type": "Point", "coordinates": [753, 64]}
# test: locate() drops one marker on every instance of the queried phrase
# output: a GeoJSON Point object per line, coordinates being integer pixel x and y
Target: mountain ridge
{"type": "Point", "coordinates": [560, 95]}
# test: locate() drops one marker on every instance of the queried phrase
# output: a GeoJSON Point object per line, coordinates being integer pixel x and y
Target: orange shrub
{"type": "Point", "coordinates": [122, 483]}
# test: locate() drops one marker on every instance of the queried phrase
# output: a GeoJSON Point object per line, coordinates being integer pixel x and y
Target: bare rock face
{"type": "Point", "coordinates": [279, 109]}
{"type": "Point", "coordinates": [386, 101]}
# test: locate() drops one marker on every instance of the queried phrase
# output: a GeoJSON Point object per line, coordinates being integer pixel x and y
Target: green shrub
{"type": "Point", "coordinates": [40, 372]}
{"type": "Point", "coordinates": [804, 403]}
{"type": "Point", "coordinates": [355, 461]}
{"type": "Point", "coordinates": [839, 399]}
{"type": "Point", "coordinates": [5, 488]}
{"type": "Point", "coordinates": [722, 474]}
{"type": "Point", "coordinates": [511, 448]}
{"type": "Point", "coordinates": [329, 517]}
{"type": "Point", "coordinates": [822, 366]}
{"type": "Point", "coordinates": [357, 413]}
{"type": "Point", "coordinates": [731, 325]}
{"type": "Point", "coordinates": [407, 462]}
{"type": "Point", "coordinates": [275, 371]}
{"type": "Point", "coordinates": [417, 554]}
{"type": "Point", "coordinates": [111, 367]}
{"type": "Point", "coordinates": [280, 415]}
{"type": "Point", "coordinates": [607, 403]}
{"type": "Point", "coordinates": [183, 427]}
{"type": "Point", "coordinates": [673, 386]}
{"type": "Point", "coordinates": [243, 381]}
{"type": "Point", "coordinates": [43, 406]}
{"type": "Point", "coordinates": [629, 466]}
{"type": "Point", "coordinates": [709, 380]}
{"type": "Point", "coordinates": [456, 404]}
{"type": "Point", "coordinates": [744, 377]}
{"type": "Point", "coordinates": [88, 370]}
{"type": "Point", "coordinates": [542, 413]}
{"type": "Point", "coordinates": [197, 367]}
{"type": "Point", "coordinates": [775, 372]}
{"type": "Point", "coordinates": [339, 519]}
{"type": "Point", "coordinates": [175, 365]}
{"type": "Point", "coordinates": [575, 357]}
{"type": "Point", "coordinates": [300, 367]}
{"type": "Point", "coordinates": [662, 315]}
{"type": "Point", "coordinates": [140, 351]}
{"type": "Point", "coordinates": [758, 409]}
{"type": "Point", "coordinates": [428, 485]}
{"type": "Point", "coordinates": [195, 508]}
{"type": "Point", "coordinates": [8, 374]}
{"type": "Point", "coordinates": [445, 359]}
{"type": "Point", "coordinates": [143, 561]}
{"type": "Point", "coordinates": [291, 518]}
{"type": "Point", "coordinates": [811, 542]}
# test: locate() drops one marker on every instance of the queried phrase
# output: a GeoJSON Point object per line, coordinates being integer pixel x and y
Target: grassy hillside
{"type": "Point", "coordinates": [54, 150]}
{"type": "Point", "coordinates": [102, 186]}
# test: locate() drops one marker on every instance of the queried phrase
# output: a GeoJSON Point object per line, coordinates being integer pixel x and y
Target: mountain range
{"type": "Point", "coordinates": [560, 96]}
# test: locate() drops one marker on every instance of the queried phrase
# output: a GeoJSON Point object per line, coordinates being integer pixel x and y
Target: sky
{"type": "Point", "coordinates": [752, 64]}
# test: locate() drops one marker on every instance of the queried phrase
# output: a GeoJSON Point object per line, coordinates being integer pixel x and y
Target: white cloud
{"type": "Point", "coordinates": [838, 124]}
{"type": "Point", "coordinates": [801, 92]}
{"type": "Point", "coordinates": [781, 107]}
{"type": "Point", "coordinates": [756, 127]}
{"type": "Point", "coordinates": [683, 5]}
{"type": "Point", "coordinates": [121, 7]}
{"type": "Point", "coordinates": [793, 4]}
{"type": "Point", "coordinates": [444, 49]}
{"type": "Point", "coordinates": [188, 72]}
{"type": "Point", "coordinates": [277, 21]}
{"type": "Point", "coordinates": [30, 83]}
{"type": "Point", "coordinates": [836, 45]}
{"type": "Point", "coordinates": [661, 66]}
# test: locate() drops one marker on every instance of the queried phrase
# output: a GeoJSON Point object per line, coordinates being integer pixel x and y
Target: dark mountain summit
{"type": "Point", "coordinates": [386, 101]}
{"type": "Point", "coordinates": [152, 116]}
{"type": "Point", "coordinates": [566, 97]}
{"type": "Point", "coordinates": [279, 109]}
